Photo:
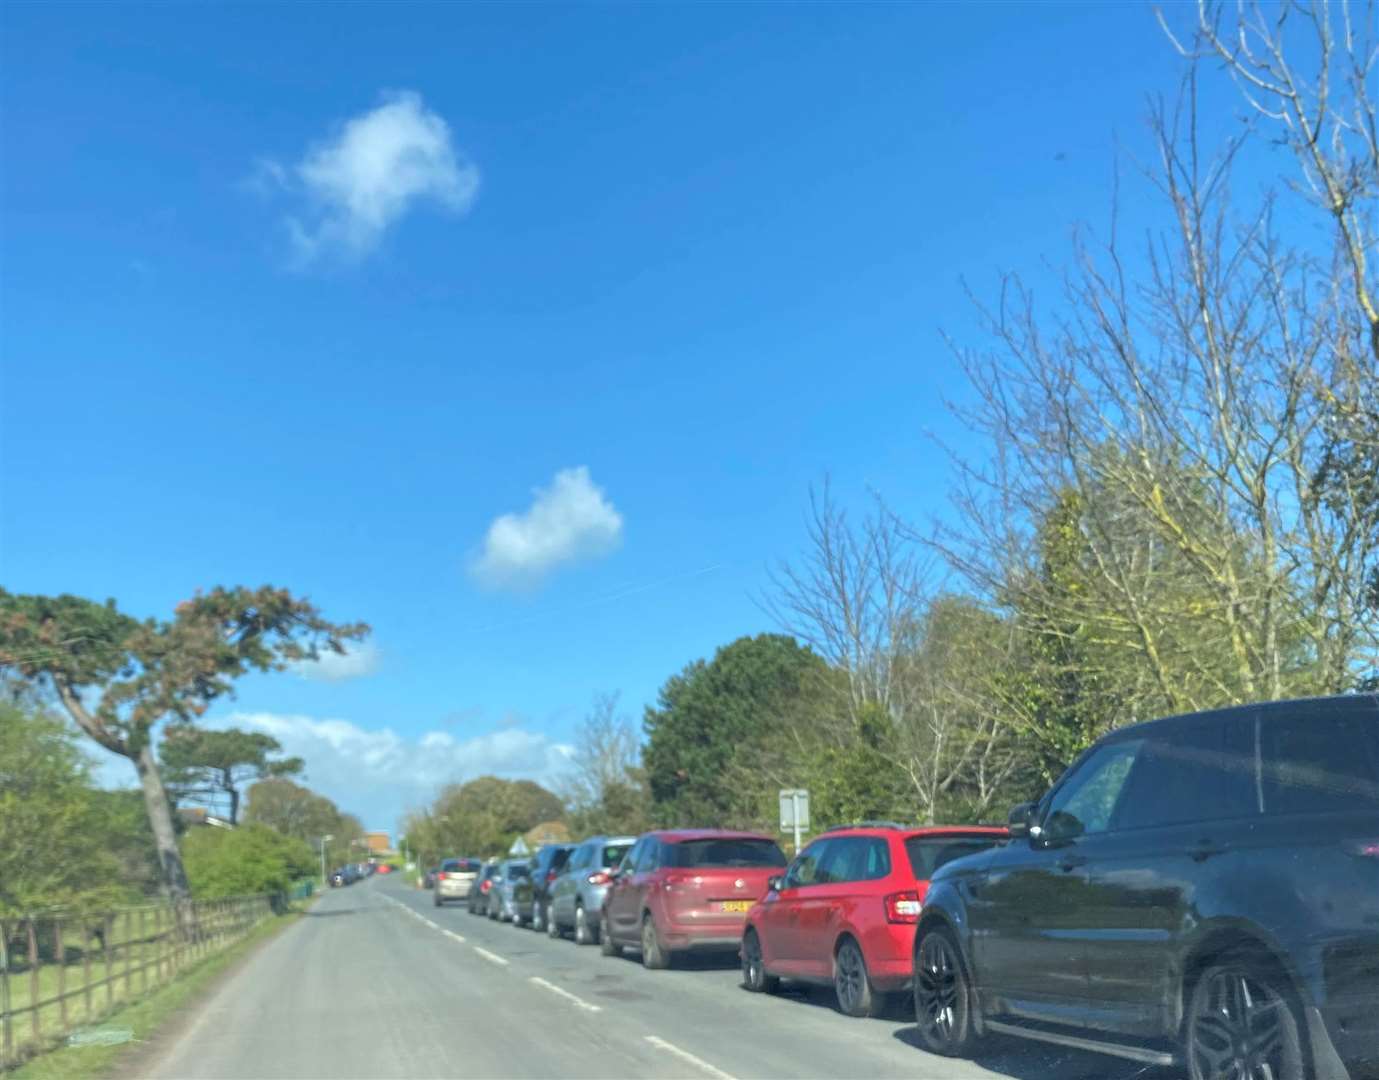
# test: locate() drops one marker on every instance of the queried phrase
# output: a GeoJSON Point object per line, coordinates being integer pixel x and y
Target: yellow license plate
{"type": "Point", "coordinates": [735, 905]}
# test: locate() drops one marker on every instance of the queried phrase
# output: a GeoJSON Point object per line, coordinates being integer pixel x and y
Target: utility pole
{"type": "Point", "coordinates": [323, 859]}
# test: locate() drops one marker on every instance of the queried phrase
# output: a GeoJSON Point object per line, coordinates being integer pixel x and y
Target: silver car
{"type": "Point", "coordinates": [577, 894]}
{"type": "Point", "coordinates": [502, 898]}
{"type": "Point", "coordinates": [454, 878]}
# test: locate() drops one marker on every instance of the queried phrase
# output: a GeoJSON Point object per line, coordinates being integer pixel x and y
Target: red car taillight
{"type": "Point", "coordinates": [600, 877]}
{"type": "Point", "coordinates": [485, 886]}
{"type": "Point", "coordinates": [440, 875]}
{"type": "Point", "coordinates": [903, 907]}
{"type": "Point", "coordinates": [1367, 849]}
{"type": "Point", "coordinates": [550, 876]}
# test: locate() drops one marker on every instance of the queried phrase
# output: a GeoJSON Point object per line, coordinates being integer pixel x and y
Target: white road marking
{"type": "Point", "coordinates": [492, 958]}
{"type": "Point", "coordinates": [452, 934]}
{"type": "Point", "coordinates": [571, 998]}
{"type": "Point", "coordinates": [686, 1056]}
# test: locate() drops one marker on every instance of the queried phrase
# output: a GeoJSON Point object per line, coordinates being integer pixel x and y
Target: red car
{"type": "Point", "coordinates": [845, 911]}
{"type": "Point", "coordinates": [686, 889]}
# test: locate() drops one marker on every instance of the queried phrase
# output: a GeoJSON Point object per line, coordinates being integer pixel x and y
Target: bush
{"type": "Point", "coordinates": [244, 861]}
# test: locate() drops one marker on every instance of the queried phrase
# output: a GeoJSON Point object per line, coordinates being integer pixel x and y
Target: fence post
{"type": "Point", "coordinates": [35, 1025]}
{"type": "Point", "coordinates": [107, 932]}
{"type": "Point", "coordinates": [60, 955]}
{"type": "Point", "coordinates": [6, 1020]}
{"type": "Point", "coordinates": [128, 953]}
{"type": "Point", "coordinates": [86, 936]}
{"type": "Point", "coordinates": [143, 949]}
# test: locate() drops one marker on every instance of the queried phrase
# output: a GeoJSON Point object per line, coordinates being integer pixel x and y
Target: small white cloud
{"type": "Point", "coordinates": [356, 661]}
{"type": "Point", "coordinates": [368, 175]}
{"type": "Point", "coordinates": [570, 521]}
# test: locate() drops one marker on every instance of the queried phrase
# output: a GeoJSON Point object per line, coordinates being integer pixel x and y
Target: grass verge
{"type": "Point", "coordinates": [145, 1016]}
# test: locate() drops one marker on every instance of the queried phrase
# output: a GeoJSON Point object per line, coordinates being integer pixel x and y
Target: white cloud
{"type": "Point", "coordinates": [355, 662]}
{"type": "Point", "coordinates": [363, 179]}
{"type": "Point", "coordinates": [378, 774]}
{"type": "Point", "coordinates": [570, 521]}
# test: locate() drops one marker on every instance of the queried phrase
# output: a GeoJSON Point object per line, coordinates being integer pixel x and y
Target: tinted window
{"type": "Point", "coordinates": [928, 853]}
{"type": "Point", "coordinates": [855, 858]}
{"type": "Point", "coordinates": [805, 869]}
{"type": "Point", "coordinates": [1085, 801]}
{"type": "Point", "coordinates": [629, 860]}
{"type": "Point", "coordinates": [726, 852]}
{"type": "Point", "coordinates": [1313, 763]}
{"type": "Point", "coordinates": [518, 870]}
{"type": "Point", "coordinates": [612, 854]}
{"type": "Point", "coordinates": [1204, 772]}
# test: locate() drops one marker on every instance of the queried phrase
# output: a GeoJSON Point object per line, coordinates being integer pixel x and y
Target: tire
{"type": "Point", "coordinates": [1242, 1021]}
{"type": "Point", "coordinates": [754, 977]}
{"type": "Point", "coordinates": [552, 926]}
{"type": "Point", "coordinates": [436, 900]}
{"type": "Point", "coordinates": [607, 945]}
{"type": "Point", "coordinates": [584, 933]}
{"type": "Point", "coordinates": [851, 984]}
{"type": "Point", "coordinates": [654, 957]}
{"type": "Point", "coordinates": [538, 917]}
{"type": "Point", "coordinates": [943, 996]}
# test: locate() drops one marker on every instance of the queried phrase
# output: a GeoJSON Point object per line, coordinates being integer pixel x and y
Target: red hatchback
{"type": "Point", "coordinates": [686, 889]}
{"type": "Point", "coordinates": [845, 911]}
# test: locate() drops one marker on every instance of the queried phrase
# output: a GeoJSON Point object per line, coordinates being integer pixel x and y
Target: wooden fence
{"type": "Point", "coordinates": [63, 972]}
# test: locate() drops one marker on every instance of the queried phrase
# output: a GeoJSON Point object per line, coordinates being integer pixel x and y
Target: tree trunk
{"type": "Point", "coordinates": [160, 819]}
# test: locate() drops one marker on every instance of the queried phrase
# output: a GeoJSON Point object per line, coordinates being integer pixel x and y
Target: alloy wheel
{"type": "Point", "coordinates": [850, 979]}
{"type": "Point", "coordinates": [1240, 1029]}
{"type": "Point", "coordinates": [938, 988]}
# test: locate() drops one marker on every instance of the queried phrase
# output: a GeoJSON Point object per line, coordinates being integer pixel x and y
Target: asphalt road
{"type": "Point", "coordinates": [377, 982]}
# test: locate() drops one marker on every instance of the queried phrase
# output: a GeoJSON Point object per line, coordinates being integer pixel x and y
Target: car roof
{"type": "Point", "coordinates": [679, 836]}
{"type": "Point", "coordinates": [905, 832]}
{"type": "Point", "coordinates": [1336, 703]}
{"type": "Point", "coordinates": [608, 840]}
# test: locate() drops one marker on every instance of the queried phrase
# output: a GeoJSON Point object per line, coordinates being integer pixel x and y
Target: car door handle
{"type": "Point", "coordinates": [1070, 863]}
{"type": "Point", "coordinates": [1204, 850]}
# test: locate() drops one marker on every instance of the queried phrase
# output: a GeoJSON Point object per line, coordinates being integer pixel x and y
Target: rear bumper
{"type": "Point", "coordinates": [457, 890]}
{"type": "Point", "coordinates": [716, 942]}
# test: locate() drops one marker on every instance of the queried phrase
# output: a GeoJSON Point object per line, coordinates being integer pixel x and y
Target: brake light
{"type": "Point", "coordinates": [1367, 849]}
{"type": "Point", "coordinates": [903, 907]}
{"type": "Point", "coordinates": [600, 877]}
{"type": "Point", "coordinates": [440, 875]}
{"type": "Point", "coordinates": [550, 876]}
{"type": "Point", "coordinates": [485, 886]}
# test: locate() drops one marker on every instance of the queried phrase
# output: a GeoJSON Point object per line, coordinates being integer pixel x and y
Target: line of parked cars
{"type": "Point", "coordinates": [349, 873]}
{"type": "Point", "coordinates": [1200, 891]}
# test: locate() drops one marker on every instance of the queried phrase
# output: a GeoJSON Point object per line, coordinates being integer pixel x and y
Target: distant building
{"type": "Point", "coordinates": [548, 832]}
{"type": "Point", "coordinates": [199, 815]}
{"type": "Point", "coordinates": [380, 843]}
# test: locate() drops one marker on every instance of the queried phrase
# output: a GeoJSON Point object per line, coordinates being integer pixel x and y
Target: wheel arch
{"type": "Point", "coordinates": [1219, 939]}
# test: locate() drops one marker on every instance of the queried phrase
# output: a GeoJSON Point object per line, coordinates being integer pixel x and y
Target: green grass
{"type": "Point", "coordinates": [144, 1016]}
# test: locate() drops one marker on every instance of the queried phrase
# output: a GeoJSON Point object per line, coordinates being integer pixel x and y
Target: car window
{"type": "Point", "coordinates": [1084, 803]}
{"type": "Point", "coordinates": [1316, 763]}
{"type": "Point", "coordinates": [519, 870]}
{"type": "Point", "coordinates": [805, 869]}
{"type": "Point", "coordinates": [628, 864]}
{"type": "Point", "coordinates": [928, 853]}
{"type": "Point", "coordinates": [612, 854]}
{"type": "Point", "coordinates": [726, 852]}
{"type": "Point", "coordinates": [1204, 772]}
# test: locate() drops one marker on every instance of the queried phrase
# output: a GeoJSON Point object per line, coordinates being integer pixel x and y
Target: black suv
{"type": "Point", "coordinates": [536, 892]}
{"type": "Point", "coordinates": [1201, 891]}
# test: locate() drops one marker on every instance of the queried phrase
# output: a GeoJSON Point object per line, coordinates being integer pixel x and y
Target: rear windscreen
{"type": "Point", "coordinates": [928, 853]}
{"type": "Point", "coordinates": [613, 853]}
{"type": "Point", "coordinates": [726, 852]}
{"type": "Point", "coordinates": [460, 866]}
{"type": "Point", "coordinates": [519, 871]}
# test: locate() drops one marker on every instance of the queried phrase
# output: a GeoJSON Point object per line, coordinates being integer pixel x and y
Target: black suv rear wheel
{"type": "Point", "coordinates": [1242, 1024]}
{"type": "Point", "coordinates": [943, 996]}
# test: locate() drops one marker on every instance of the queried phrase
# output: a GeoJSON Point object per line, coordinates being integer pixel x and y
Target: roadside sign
{"type": "Point", "coordinates": [794, 812]}
{"type": "Point", "coordinates": [519, 848]}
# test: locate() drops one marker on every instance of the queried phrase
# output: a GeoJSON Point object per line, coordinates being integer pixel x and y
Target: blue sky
{"type": "Point", "coordinates": [315, 295]}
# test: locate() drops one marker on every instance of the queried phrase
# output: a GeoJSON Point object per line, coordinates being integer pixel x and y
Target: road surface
{"type": "Point", "coordinates": [376, 982]}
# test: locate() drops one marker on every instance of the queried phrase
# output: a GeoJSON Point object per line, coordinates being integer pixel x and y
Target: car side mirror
{"type": "Point", "coordinates": [774, 883]}
{"type": "Point", "coordinates": [1021, 819]}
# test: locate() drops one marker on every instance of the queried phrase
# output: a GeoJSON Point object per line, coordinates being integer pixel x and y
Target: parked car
{"type": "Point", "coordinates": [533, 893]}
{"type": "Point", "coordinates": [1200, 891]}
{"type": "Point", "coordinates": [503, 902]}
{"type": "Point", "coordinates": [579, 889]}
{"type": "Point", "coordinates": [686, 889]}
{"type": "Point", "coordinates": [428, 879]}
{"type": "Point", "coordinates": [483, 885]}
{"type": "Point", "coordinates": [845, 911]}
{"type": "Point", "coordinates": [454, 879]}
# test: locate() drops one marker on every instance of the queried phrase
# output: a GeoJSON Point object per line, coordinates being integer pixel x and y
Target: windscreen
{"type": "Point", "coordinates": [613, 853]}
{"type": "Point", "coordinates": [727, 852]}
{"type": "Point", "coordinates": [928, 853]}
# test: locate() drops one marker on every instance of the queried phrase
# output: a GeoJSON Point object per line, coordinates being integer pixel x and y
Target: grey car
{"type": "Point", "coordinates": [503, 903]}
{"type": "Point", "coordinates": [577, 894]}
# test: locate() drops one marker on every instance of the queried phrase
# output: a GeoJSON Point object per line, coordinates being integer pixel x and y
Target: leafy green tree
{"type": "Point", "coordinates": [479, 818]}
{"type": "Point", "coordinates": [300, 813]}
{"type": "Point", "coordinates": [605, 787]}
{"type": "Point", "coordinates": [718, 728]}
{"type": "Point", "coordinates": [53, 821]}
{"type": "Point", "coordinates": [117, 676]}
{"type": "Point", "coordinates": [244, 861]}
{"type": "Point", "coordinates": [198, 762]}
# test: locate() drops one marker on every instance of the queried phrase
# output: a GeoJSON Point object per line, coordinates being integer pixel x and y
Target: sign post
{"type": "Point", "coordinates": [794, 812]}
